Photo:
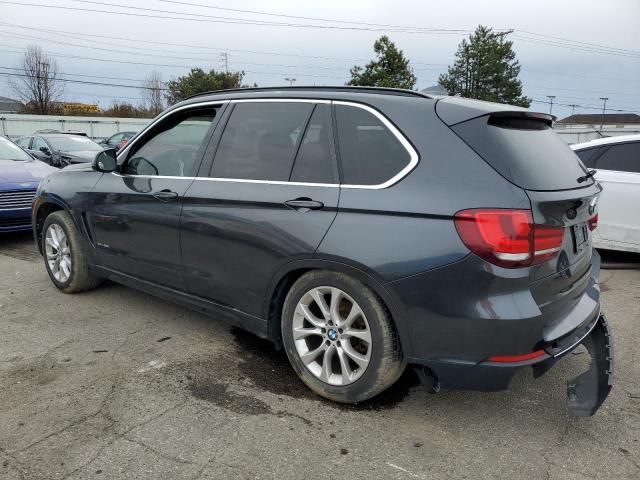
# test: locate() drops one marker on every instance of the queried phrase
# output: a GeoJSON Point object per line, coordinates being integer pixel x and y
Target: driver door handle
{"type": "Point", "coordinates": [304, 204]}
{"type": "Point", "coordinates": [165, 195]}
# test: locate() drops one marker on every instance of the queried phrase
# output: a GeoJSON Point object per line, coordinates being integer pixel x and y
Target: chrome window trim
{"type": "Point", "coordinates": [125, 151]}
{"type": "Point", "coordinates": [237, 180]}
{"type": "Point", "coordinates": [413, 154]}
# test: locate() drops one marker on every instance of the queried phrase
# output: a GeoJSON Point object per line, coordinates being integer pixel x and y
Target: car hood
{"type": "Point", "coordinates": [79, 156]}
{"type": "Point", "coordinates": [22, 174]}
{"type": "Point", "coordinates": [80, 166]}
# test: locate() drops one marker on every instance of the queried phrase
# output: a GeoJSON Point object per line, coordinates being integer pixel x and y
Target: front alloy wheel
{"type": "Point", "coordinates": [58, 253]}
{"type": "Point", "coordinates": [332, 335]}
{"type": "Point", "coordinates": [65, 254]}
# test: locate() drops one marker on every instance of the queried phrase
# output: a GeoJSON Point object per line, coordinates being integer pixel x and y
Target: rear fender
{"type": "Point", "coordinates": [387, 296]}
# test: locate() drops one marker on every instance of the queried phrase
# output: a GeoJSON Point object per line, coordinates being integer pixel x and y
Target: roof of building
{"type": "Point", "coordinates": [435, 90]}
{"type": "Point", "coordinates": [10, 105]}
{"type": "Point", "coordinates": [606, 141]}
{"type": "Point", "coordinates": [607, 118]}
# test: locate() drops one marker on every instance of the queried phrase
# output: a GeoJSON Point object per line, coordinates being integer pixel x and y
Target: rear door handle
{"type": "Point", "coordinates": [165, 195]}
{"type": "Point", "coordinates": [304, 204]}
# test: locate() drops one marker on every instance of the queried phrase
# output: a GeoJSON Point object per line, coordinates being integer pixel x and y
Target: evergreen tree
{"type": "Point", "coordinates": [199, 81]}
{"type": "Point", "coordinates": [390, 69]}
{"type": "Point", "coordinates": [485, 68]}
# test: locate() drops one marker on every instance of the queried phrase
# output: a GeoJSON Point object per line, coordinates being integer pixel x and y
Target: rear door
{"type": "Point", "coordinates": [135, 214]}
{"type": "Point", "coordinates": [619, 173]}
{"type": "Point", "coordinates": [268, 197]}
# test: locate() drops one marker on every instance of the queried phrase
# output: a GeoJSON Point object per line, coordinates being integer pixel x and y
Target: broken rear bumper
{"type": "Point", "coordinates": [585, 393]}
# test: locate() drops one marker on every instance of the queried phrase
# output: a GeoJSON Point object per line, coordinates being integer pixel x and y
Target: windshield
{"type": "Point", "coordinates": [10, 151]}
{"type": "Point", "coordinates": [73, 143]}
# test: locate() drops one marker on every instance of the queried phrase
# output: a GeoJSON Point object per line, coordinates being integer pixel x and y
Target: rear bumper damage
{"type": "Point", "coordinates": [585, 393]}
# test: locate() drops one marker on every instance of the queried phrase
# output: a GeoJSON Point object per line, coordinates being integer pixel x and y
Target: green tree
{"type": "Point", "coordinates": [390, 69]}
{"type": "Point", "coordinates": [199, 81]}
{"type": "Point", "coordinates": [485, 68]}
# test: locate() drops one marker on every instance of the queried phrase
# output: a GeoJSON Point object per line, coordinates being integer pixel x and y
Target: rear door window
{"type": "Point", "coordinates": [260, 140]}
{"type": "Point", "coordinates": [370, 154]}
{"type": "Point", "coordinates": [525, 151]}
{"type": "Point", "coordinates": [622, 158]}
{"type": "Point", "coordinates": [314, 162]}
{"type": "Point", "coordinates": [589, 155]}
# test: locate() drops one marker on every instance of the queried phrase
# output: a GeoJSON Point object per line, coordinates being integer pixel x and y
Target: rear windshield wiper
{"type": "Point", "coordinates": [587, 176]}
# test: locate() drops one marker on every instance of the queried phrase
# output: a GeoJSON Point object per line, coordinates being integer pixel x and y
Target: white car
{"type": "Point", "coordinates": [617, 161]}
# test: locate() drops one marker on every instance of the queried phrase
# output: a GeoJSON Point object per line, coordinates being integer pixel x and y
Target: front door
{"type": "Point", "coordinates": [134, 214]}
{"type": "Point", "coordinates": [269, 198]}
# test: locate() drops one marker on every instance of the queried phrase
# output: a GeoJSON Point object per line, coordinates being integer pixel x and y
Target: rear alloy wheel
{"type": "Point", "coordinates": [332, 335]}
{"type": "Point", "coordinates": [340, 338]}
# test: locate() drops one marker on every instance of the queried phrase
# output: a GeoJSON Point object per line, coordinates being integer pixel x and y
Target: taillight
{"type": "Point", "coordinates": [593, 222]}
{"type": "Point", "coordinates": [508, 238]}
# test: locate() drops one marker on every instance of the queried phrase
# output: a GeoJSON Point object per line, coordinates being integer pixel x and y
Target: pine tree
{"type": "Point", "coordinates": [486, 69]}
{"type": "Point", "coordinates": [390, 69]}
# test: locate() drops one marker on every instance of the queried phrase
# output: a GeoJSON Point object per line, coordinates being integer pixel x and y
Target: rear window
{"type": "Point", "coordinates": [527, 152]}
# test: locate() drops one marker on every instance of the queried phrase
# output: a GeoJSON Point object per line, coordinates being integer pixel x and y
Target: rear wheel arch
{"type": "Point", "coordinates": [287, 276]}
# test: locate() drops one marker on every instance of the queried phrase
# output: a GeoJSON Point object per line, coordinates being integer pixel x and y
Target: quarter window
{"type": "Point", "coordinates": [623, 158]}
{"type": "Point", "coordinates": [314, 162]}
{"type": "Point", "coordinates": [174, 150]}
{"type": "Point", "coordinates": [259, 140]}
{"type": "Point", "coordinates": [589, 155]}
{"type": "Point", "coordinates": [370, 153]}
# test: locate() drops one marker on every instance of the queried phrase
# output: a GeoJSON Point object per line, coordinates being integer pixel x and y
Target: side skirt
{"type": "Point", "coordinates": [255, 325]}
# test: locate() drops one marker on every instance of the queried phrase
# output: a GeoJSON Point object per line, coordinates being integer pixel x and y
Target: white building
{"type": "Point", "coordinates": [589, 126]}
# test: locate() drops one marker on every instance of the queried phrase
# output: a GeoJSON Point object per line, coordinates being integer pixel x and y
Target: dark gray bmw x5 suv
{"type": "Point", "coordinates": [361, 229]}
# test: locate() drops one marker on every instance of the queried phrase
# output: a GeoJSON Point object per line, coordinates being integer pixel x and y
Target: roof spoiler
{"type": "Point", "coordinates": [543, 117]}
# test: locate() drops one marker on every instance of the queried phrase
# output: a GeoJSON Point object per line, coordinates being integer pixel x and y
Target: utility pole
{"type": "Point", "coordinates": [604, 107]}
{"type": "Point", "coordinates": [551, 97]}
{"type": "Point", "coordinates": [573, 108]}
{"type": "Point", "coordinates": [290, 80]}
{"type": "Point", "coordinates": [225, 56]}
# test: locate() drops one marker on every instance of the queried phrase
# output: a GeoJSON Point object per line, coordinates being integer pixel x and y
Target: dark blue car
{"type": "Point", "coordinates": [20, 175]}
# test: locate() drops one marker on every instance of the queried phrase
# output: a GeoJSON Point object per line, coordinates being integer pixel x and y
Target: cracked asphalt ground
{"type": "Point", "coordinates": [117, 384]}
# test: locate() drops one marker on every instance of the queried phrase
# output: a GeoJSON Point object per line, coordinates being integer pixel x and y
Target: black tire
{"type": "Point", "coordinates": [386, 362]}
{"type": "Point", "coordinates": [80, 279]}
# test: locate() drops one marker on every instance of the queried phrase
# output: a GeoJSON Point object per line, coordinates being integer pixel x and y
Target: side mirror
{"type": "Point", "coordinates": [46, 151]}
{"type": "Point", "coordinates": [105, 161]}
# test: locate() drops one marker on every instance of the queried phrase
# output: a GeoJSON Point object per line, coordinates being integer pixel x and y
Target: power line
{"type": "Point", "coordinates": [174, 15]}
{"type": "Point", "coordinates": [577, 41]}
{"type": "Point", "coordinates": [546, 102]}
{"type": "Point", "coordinates": [264, 52]}
{"type": "Point", "coordinates": [139, 40]}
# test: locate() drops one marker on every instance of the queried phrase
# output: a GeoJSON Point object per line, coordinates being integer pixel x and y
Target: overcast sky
{"type": "Point", "coordinates": [269, 54]}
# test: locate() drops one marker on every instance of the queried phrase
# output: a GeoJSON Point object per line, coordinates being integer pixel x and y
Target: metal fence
{"type": "Point", "coordinates": [17, 125]}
